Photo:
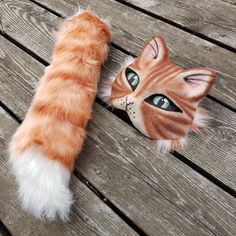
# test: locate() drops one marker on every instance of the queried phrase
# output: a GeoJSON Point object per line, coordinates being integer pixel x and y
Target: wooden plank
{"type": "Point", "coordinates": [159, 193]}
{"type": "Point", "coordinates": [3, 230]}
{"type": "Point", "coordinates": [198, 150]}
{"type": "Point", "coordinates": [186, 49]}
{"type": "Point", "coordinates": [213, 19]}
{"type": "Point", "coordinates": [89, 215]}
{"type": "Point", "coordinates": [220, 142]}
{"type": "Point", "coordinates": [193, 15]}
{"type": "Point", "coordinates": [233, 2]}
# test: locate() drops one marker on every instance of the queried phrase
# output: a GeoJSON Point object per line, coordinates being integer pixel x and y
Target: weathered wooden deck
{"type": "Point", "coordinates": [121, 185]}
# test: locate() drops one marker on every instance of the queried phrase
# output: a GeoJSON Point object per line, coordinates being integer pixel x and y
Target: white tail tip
{"type": "Point", "coordinates": [43, 184]}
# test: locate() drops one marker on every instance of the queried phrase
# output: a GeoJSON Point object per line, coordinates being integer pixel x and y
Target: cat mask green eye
{"type": "Point", "coordinates": [162, 102]}
{"type": "Point", "coordinates": [132, 78]}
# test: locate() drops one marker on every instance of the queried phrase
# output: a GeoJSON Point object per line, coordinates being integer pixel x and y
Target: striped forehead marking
{"type": "Point", "coordinates": [156, 76]}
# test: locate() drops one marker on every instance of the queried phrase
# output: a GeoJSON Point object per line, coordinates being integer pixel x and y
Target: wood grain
{"type": "Point", "coordinates": [213, 19]}
{"type": "Point", "coordinates": [233, 2]}
{"type": "Point", "coordinates": [89, 215]}
{"type": "Point", "coordinates": [220, 139]}
{"type": "Point", "coordinates": [206, 151]}
{"type": "Point", "coordinates": [159, 193]}
{"type": "Point", "coordinates": [3, 230]}
{"type": "Point", "coordinates": [131, 29]}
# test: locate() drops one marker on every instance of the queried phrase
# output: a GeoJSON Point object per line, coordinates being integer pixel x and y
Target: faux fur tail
{"type": "Point", "coordinates": [43, 184]}
{"type": "Point", "coordinates": [44, 148]}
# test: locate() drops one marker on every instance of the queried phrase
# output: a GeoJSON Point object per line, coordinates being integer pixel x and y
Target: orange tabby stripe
{"type": "Point", "coordinates": [62, 106]}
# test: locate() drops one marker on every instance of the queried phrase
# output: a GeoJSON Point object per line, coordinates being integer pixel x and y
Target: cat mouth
{"type": "Point", "coordinates": [127, 104]}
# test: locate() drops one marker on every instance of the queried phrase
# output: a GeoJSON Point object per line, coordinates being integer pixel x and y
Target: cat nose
{"type": "Point", "coordinates": [129, 100]}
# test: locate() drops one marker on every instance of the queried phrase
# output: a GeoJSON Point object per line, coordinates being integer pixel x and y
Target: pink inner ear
{"type": "Point", "coordinates": [151, 49]}
{"type": "Point", "coordinates": [195, 80]}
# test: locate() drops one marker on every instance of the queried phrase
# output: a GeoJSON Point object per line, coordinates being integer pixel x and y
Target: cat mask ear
{"type": "Point", "coordinates": [198, 82]}
{"type": "Point", "coordinates": [154, 51]}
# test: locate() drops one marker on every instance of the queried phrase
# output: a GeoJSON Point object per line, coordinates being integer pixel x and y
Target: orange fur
{"type": "Point", "coordinates": [62, 105]}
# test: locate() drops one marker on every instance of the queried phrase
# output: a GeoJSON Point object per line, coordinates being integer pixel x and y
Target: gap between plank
{"type": "Point", "coordinates": [45, 63]}
{"type": "Point", "coordinates": [125, 118]}
{"type": "Point", "coordinates": [3, 230]}
{"type": "Point", "coordinates": [121, 115]}
{"type": "Point", "coordinates": [200, 35]}
{"type": "Point", "coordinates": [177, 155]}
{"type": "Point", "coordinates": [116, 210]}
{"type": "Point", "coordinates": [221, 103]}
{"type": "Point", "coordinates": [117, 46]}
{"type": "Point", "coordinates": [204, 173]}
{"type": "Point", "coordinates": [48, 9]}
{"type": "Point", "coordinates": [12, 114]}
{"type": "Point", "coordinates": [109, 204]}
{"type": "Point", "coordinates": [32, 54]}
{"type": "Point", "coordinates": [208, 96]}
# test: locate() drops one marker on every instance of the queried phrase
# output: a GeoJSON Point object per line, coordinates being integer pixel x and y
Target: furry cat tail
{"type": "Point", "coordinates": [44, 148]}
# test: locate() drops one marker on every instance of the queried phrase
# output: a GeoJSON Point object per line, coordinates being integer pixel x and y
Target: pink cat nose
{"type": "Point", "coordinates": [129, 100]}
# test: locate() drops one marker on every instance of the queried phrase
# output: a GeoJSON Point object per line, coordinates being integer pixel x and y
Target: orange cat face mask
{"type": "Point", "coordinates": [160, 98]}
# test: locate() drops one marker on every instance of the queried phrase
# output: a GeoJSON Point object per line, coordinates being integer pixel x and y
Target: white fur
{"type": "Point", "coordinates": [105, 87]}
{"type": "Point", "coordinates": [164, 145]}
{"type": "Point", "coordinates": [128, 60]}
{"type": "Point", "coordinates": [80, 10]}
{"type": "Point", "coordinates": [201, 118]}
{"type": "Point", "coordinates": [43, 184]}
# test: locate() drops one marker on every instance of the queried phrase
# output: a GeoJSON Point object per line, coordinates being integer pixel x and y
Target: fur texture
{"type": "Point", "coordinates": [105, 87]}
{"type": "Point", "coordinates": [43, 150]}
{"type": "Point", "coordinates": [201, 120]}
{"type": "Point", "coordinates": [43, 184]}
{"type": "Point", "coordinates": [165, 145]}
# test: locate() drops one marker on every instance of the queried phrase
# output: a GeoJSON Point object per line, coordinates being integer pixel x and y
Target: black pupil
{"type": "Point", "coordinates": [134, 76]}
{"type": "Point", "coordinates": [132, 79]}
{"type": "Point", "coordinates": [161, 102]}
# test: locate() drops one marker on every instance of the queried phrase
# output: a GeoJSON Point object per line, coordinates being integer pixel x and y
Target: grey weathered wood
{"type": "Point", "coordinates": [221, 139]}
{"type": "Point", "coordinates": [214, 19]}
{"type": "Point", "coordinates": [131, 29]}
{"type": "Point", "coordinates": [159, 193]}
{"type": "Point", "coordinates": [233, 2]}
{"type": "Point", "coordinates": [3, 230]}
{"type": "Point", "coordinates": [89, 215]}
{"type": "Point", "coordinates": [207, 151]}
